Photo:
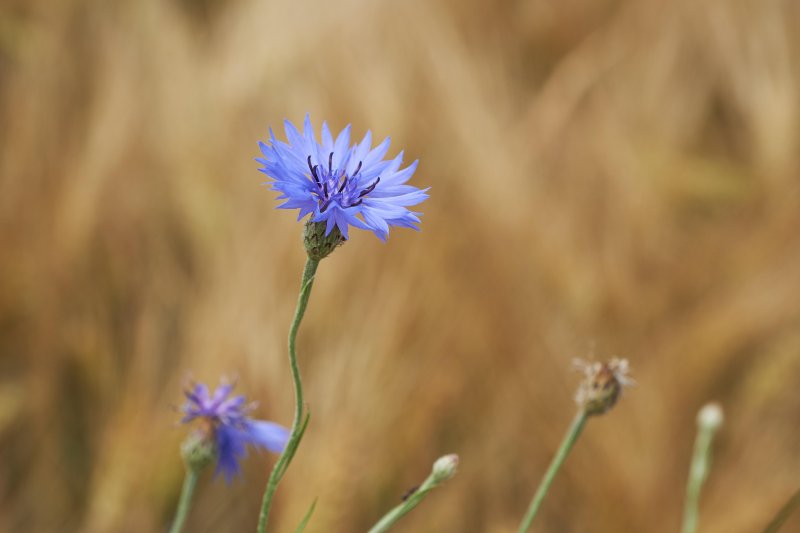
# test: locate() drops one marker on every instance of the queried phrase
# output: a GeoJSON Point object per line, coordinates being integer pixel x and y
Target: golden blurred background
{"type": "Point", "coordinates": [608, 178]}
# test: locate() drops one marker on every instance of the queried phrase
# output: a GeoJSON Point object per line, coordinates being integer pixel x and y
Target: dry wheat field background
{"type": "Point", "coordinates": [607, 178]}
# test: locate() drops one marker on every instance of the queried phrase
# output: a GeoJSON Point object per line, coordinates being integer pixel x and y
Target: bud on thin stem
{"type": "Point", "coordinates": [709, 420]}
{"type": "Point", "coordinates": [443, 469]}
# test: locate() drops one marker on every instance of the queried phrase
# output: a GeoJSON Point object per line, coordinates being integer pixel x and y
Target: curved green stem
{"type": "Point", "coordinates": [189, 484]}
{"type": "Point", "coordinates": [566, 445]}
{"type": "Point", "coordinates": [300, 422]}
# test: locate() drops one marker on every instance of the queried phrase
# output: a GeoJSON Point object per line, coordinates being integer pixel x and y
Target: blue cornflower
{"type": "Point", "coordinates": [226, 420]}
{"type": "Point", "coordinates": [338, 184]}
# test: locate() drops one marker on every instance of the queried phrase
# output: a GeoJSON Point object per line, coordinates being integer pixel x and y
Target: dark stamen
{"type": "Point", "coordinates": [330, 163]}
{"type": "Point", "coordinates": [325, 189]}
{"type": "Point", "coordinates": [325, 205]}
{"type": "Point", "coordinates": [357, 169]}
{"type": "Point", "coordinates": [344, 183]}
{"type": "Point", "coordinates": [313, 170]}
{"type": "Point", "coordinates": [370, 188]}
{"type": "Point", "coordinates": [360, 200]}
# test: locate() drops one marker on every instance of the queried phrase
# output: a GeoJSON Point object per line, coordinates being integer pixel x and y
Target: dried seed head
{"type": "Point", "coordinates": [602, 385]}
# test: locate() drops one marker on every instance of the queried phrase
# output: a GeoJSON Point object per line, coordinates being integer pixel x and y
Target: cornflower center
{"type": "Point", "coordinates": [335, 185]}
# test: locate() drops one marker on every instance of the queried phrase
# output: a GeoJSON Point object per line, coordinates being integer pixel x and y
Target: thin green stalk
{"type": "Point", "coordinates": [189, 484]}
{"type": "Point", "coordinates": [300, 421]}
{"type": "Point", "coordinates": [709, 420]}
{"type": "Point", "coordinates": [566, 445]}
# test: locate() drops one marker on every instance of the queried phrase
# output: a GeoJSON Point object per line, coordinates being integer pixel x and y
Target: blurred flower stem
{"type": "Point", "coordinates": [709, 419]}
{"type": "Point", "coordinates": [198, 450]}
{"type": "Point", "coordinates": [566, 445]}
{"type": "Point", "coordinates": [443, 469]}
{"type": "Point", "coordinates": [300, 422]}
{"type": "Point", "coordinates": [189, 484]}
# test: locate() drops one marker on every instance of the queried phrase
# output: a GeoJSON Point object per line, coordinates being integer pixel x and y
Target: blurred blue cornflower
{"type": "Point", "coordinates": [339, 184]}
{"type": "Point", "coordinates": [225, 420]}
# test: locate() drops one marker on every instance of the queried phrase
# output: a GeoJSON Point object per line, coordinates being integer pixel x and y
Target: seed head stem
{"type": "Point", "coordinates": [570, 438]}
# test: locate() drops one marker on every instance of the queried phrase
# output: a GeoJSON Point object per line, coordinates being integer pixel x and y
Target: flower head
{"type": "Point", "coordinates": [338, 184]}
{"type": "Point", "coordinates": [226, 424]}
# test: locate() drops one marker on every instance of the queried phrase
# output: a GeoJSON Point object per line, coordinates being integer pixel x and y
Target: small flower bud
{"type": "Point", "coordinates": [199, 449]}
{"type": "Point", "coordinates": [710, 417]}
{"type": "Point", "coordinates": [445, 467]}
{"type": "Point", "coordinates": [318, 245]}
{"type": "Point", "coordinates": [602, 386]}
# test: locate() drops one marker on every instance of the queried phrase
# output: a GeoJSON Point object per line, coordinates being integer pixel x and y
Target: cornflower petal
{"type": "Point", "coordinates": [268, 435]}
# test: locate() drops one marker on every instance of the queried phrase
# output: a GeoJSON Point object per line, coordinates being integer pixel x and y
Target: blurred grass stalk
{"type": "Point", "coordinates": [709, 420]}
{"type": "Point", "coordinates": [784, 513]}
